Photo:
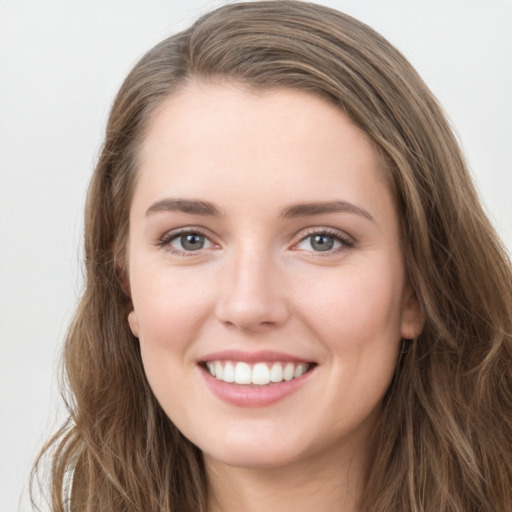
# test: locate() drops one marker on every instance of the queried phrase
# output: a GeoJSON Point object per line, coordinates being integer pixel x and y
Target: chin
{"type": "Point", "coordinates": [253, 457]}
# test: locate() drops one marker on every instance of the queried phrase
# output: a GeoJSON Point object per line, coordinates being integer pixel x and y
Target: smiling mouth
{"type": "Point", "coordinates": [257, 374]}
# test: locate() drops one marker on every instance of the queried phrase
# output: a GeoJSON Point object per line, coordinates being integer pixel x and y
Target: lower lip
{"type": "Point", "coordinates": [242, 395]}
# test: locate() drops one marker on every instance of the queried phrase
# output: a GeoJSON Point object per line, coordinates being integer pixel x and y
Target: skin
{"type": "Point", "coordinates": [259, 283]}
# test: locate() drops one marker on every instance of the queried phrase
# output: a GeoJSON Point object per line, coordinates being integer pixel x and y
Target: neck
{"type": "Point", "coordinates": [326, 484]}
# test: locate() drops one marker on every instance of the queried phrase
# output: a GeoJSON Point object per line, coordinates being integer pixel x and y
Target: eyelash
{"type": "Point", "coordinates": [345, 241]}
{"type": "Point", "coordinates": [166, 240]}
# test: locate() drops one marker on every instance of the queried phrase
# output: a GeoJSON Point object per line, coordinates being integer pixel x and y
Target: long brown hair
{"type": "Point", "coordinates": [444, 442]}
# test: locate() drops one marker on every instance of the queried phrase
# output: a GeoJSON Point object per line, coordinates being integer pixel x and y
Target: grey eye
{"type": "Point", "coordinates": [322, 242]}
{"type": "Point", "coordinates": [190, 242]}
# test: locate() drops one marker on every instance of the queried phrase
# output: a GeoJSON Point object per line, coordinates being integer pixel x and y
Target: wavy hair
{"type": "Point", "coordinates": [444, 442]}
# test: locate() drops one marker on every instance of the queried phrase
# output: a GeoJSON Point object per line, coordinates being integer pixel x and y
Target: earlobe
{"type": "Point", "coordinates": [134, 324]}
{"type": "Point", "coordinates": [122, 271]}
{"type": "Point", "coordinates": [412, 316]}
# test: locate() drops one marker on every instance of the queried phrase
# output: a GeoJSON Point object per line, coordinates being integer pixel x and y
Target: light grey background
{"type": "Point", "coordinates": [61, 63]}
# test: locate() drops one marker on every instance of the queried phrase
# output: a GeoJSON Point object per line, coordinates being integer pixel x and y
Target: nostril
{"type": "Point", "coordinates": [252, 299]}
{"type": "Point", "coordinates": [251, 316]}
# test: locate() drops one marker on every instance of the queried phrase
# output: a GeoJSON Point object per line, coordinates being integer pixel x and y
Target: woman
{"type": "Point", "coordinates": [293, 296]}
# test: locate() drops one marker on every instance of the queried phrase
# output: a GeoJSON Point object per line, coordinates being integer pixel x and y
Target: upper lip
{"type": "Point", "coordinates": [253, 357]}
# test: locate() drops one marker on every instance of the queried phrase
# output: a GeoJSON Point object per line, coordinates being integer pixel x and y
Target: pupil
{"type": "Point", "coordinates": [192, 242]}
{"type": "Point", "coordinates": [322, 243]}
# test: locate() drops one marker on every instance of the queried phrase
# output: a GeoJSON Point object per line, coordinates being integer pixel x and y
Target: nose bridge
{"type": "Point", "coordinates": [253, 295]}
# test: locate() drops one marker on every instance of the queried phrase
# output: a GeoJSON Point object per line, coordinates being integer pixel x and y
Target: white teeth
{"type": "Point", "coordinates": [242, 373]}
{"type": "Point", "coordinates": [259, 374]}
{"type": "Point", "coordinates": [218, 370]}
{"type": "Point", "coordinates": [288, 372]}
{"type": "Point", "coordinates": [300, 370]}
{"type": "Point", "coordinates": [276, 372]}
{"type": "Point", "coordinates": [211, 368]}
{"type": "Point", "coordinates": [229, 373]}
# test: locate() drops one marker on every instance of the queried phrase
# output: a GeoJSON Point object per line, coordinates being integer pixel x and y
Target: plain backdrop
{"type": "Point", "coordinates": [61, 62]}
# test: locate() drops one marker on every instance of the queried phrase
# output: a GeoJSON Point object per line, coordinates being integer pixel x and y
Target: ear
{"type": "Point", "coordinates": [122, 273]}
{"type": "Point", "coordinates": [119, 255]}
{"type": "Point", "coordinates": [412, 316]}
{"type": "Point", "coordinates": [121, 268]}
{"type": "Point", "coordinates": [133, 323]}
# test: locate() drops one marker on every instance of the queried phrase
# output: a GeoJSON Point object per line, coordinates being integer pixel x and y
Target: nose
{"type": "Point", "coordinates": [253, 294]}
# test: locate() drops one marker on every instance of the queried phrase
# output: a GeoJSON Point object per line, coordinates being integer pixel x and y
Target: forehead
{"type": "Point", "coordinates": [230, 109]}
{"type": "Point", "coordinates": [213, 137]}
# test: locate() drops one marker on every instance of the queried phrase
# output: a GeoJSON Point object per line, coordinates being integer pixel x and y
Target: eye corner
{"type": "Point", "coordinates": [186, 241]}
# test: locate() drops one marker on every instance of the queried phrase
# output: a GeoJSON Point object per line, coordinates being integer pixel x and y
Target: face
{"type": "Point", "coordinates": [264, 248]}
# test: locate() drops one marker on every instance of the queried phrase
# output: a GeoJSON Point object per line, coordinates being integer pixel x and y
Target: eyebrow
{"type": "Point", "coordinates": [191, 206]}
{"type": "Point", "coordinates": [319, 208]}
{"type": "Point", "coordinates": [197, 207]}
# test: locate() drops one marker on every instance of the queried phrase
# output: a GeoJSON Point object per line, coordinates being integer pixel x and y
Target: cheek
{"type": "Point", "coordinates": [357, 308]}
{"type": "Point", "coordinates": [358, 322]}
{"type": "Point", "coordinates": [170, 313]}
{"type": "Point", "coordinates": [169, 306]}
